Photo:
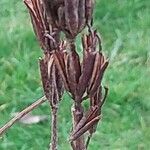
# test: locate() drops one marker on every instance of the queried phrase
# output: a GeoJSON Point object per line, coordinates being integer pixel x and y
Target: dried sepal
{"type": "Point", "coordinates": [97, 100]}
{"type": "Point", "coordinates": [97, 74]}
{"type": "Point", "coordinates": [95, 70]}
{"type": "Point", "coordinates": [105, 96]}
{"type": "Point", "coordinates": [30, 6]}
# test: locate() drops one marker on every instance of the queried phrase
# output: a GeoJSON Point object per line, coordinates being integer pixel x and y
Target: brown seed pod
{"type": "Point", "coordinates": [73, 70]}
{"type": "Point", "coordinates": [71, 16]}
{"type": "Point", "coordinates": [81, 15]}
{"type": "Point", "coordinates": [86, 67]}
{"type": "Point", "coordinates": [52, 82]}
{"type": "Point", "coordinates": [98, 77]}
{"type": "Point", "coordinates": [51, 10]}
{"type": "Point", "coordinates": [59, 61]}
{"type": "Point", "coordinates": [89, 6]}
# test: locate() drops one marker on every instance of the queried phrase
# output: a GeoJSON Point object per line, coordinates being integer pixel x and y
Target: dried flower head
{"type": "Point", "coordinates": [47, 34]}
{"type": "Point", "coordinates": [61, 66]}
{"type": "Point", "coordinates": [82, 77]}
{"type": "Point", "coordinates": [48, 39]}
{"type": "Point", "coordinates": [69, 16]}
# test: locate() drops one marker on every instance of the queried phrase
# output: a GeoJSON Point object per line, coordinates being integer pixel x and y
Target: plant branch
{"type": "Point", "coordinates": [21, 114]}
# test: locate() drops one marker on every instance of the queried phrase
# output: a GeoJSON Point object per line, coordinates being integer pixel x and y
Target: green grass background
{"type": "Point", "coordinates": [125, 29]}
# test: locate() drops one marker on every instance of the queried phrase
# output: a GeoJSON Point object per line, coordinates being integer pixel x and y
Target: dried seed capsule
{"type": "Point", "coordinates": [87, 68]}
{"type": "Point", "coordinates": [51, 10]}
{"type": "Point", "coordinates": [98, 78]}
{"type": "Point", "coordinates": [94, 72]}
{"type": "Point", "coordinates": [81, 15]}
{"type": "Point", "coordinates": [39, 25]}
{"type": "Point", "coordinates": [71, 16]}
{"type": "Point", "coordinates": [89, 10]}
{"type": "Point", "coordinates": [73, 70]}
{"type": "Point", "coordinates": [59, 61]}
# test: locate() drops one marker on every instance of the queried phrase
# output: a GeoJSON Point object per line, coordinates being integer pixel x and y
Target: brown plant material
{"type": "Point", "coordinates": [61, 67]}
{"type": "Point", "coordinates": [89, 5]}
{"type": "Point", "coordinates": [44, 22]}
{"type": "Point", "coordinates": [69, 16]}
{"type": "Point", "coordinates": [51, 79]}
{"type": "Point", "coordinates": [83, 79]}
{"type": "Point", "coordinates": [53, 88]}
{"type": "Point", "coordinates": [47, 34]}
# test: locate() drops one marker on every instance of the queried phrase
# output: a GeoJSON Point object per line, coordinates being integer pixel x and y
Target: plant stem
{"type": "Point", "coordinates": [77, 114]}
{"type": "Point", "coordinates": [21, 114]}
{"type": "Point", "coordinates": [54, 138]}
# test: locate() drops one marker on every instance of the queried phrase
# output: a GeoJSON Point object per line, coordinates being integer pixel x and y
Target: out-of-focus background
{"type": "Point", "coordinates": [125, 29]}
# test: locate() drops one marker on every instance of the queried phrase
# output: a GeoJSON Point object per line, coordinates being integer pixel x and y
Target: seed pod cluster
{"type": "Point", "coordinates": [50, 17]}
{"type": "Point", "coordinates": [69, 16]}
{"type": "Point", "coordinates": [51, 79]}
{"type": "Point", "coordinates": [84, 79]}
{"type": "Point", "coordinates": [61, 67]}
{"type": "Point", "coordinates": [47, 35]}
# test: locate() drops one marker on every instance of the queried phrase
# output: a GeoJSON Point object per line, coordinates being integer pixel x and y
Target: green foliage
{"type": "Point", "coordinates": [124, 26]}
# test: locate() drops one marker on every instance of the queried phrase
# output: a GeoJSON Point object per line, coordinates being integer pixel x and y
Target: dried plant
{"type": "Point", "coordinates": [69, 16]}
{"type": "Point", "coordinates": [51, 79]}
{"type": "Point", "coordinates": [83, 81]}
{"type": "Point", "coordinates": [62, 69]}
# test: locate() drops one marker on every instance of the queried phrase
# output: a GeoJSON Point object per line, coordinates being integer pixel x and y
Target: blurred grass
{"type": "Point", "coordinates": [124, 27]}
